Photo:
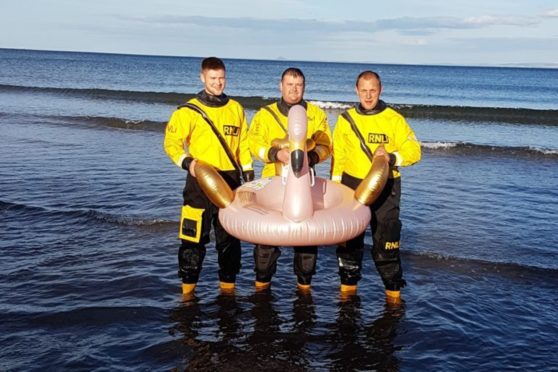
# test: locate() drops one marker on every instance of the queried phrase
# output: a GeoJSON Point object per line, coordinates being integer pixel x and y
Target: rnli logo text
{"type": "Point", "coordinates": [377, 138]}
{"type": "Point", "coordinates": [231, 130]}
{"type": "Point", "coordinates": [392, 245]}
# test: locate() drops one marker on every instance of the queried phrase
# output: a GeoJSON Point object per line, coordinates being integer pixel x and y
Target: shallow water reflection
{"type": "Point", "coordinates": [254, 333]}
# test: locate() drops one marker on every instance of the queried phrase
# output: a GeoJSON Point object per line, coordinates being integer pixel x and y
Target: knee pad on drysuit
{"type": "Point", "coordinates": [265, 258]}
{"type": "Point", "coordinates": [229, 256]}
{"type": "Point", "coordinates": [349, 259]}
{"type": "Point", "coordinates": [305, 263]}
{"type": "Point", "coordinates": [190, 260]}
{"type": "Point", "coordinates": [387, 238]}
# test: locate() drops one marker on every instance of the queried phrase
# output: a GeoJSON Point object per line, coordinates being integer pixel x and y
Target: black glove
{"type": "Point", "coordinates": [248, 175]}
{"type": "Point", "coordinates": [313, 158]}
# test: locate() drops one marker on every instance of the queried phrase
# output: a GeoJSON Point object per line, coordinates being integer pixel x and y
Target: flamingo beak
{"type": "Point", "coordinates": [297, 161]}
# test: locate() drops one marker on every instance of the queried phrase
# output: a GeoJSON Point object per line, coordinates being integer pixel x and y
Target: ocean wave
{"type": "Point", "coordinates": [439, 146]}
{"type": "Point", "coordinates": [103, 94]}
{"type": "Point", "coordinates": [170, 98]}
{"type": "Point", "coordinates": [478, 266]}
{"type": "Point", "coordinates": [157, 225]}
{"type": "Point", "coordinates": [464, 148]}
{"type": "Point", "coordinates": [89, 214]}
{"type": "Point", "coordinates": [475, 149]}
{"type": "Point", "coordinates": [327, 105]}
{"type": "Point", "coordinates": [479, 114]}
{"type": "Point", "coordinates": [128, 220]}
{"type": "Point", "coordinates": [450, 113]}
{"type": "Point", "coordinates": [97, 121]}
{"type": "Point", "coordinates": [112, 122]}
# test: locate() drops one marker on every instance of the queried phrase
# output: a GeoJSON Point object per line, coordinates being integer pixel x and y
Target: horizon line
{"type": "Point", "coordinates": [284, 59]}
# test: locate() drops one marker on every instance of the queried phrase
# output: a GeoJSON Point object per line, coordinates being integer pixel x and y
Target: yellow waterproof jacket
{"type": "Point", "coordinates": [387, 127]}
{"type": "Point", "coordinates": [187, 129]}
{"type": "Point", "coordinates": [264, 129]}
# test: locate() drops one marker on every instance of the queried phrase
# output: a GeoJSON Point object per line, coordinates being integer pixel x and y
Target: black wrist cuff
{"type": "Point", "coordinates": [248, 175]}
{"type": "Point", "coordinates": [392, 159]}
{"type": "Point", "coordinates": [186, 163]}
{"type": "Point", "coordinates": [272, 154]}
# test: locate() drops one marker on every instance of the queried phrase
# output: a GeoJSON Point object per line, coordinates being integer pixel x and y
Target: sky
{"type": "Point", "coordinates": [455, 32]}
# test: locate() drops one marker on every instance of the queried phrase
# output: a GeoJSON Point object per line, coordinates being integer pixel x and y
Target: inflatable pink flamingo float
{"type": "Point", "coordinates": [299, 209]}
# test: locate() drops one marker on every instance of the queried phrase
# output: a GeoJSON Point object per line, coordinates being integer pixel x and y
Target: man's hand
{"type": "Point", "coordinates": [381, 151]}
{"type": "Point", "coordinates": [390, 158]}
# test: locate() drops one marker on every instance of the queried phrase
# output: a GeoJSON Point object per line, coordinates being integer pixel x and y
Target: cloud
{"type": "Point", "coordinates": [552, 13]}
{"type": "Point", "coordinates": [404, 25]}
{"type": "Point", "coordinates": [498, 21]}
{"type": "Point", "coordinates": [236, 22]}
{"type": "Point", "coordinates": [428, 25]}
{"type": "Point", "coordinates": [509, 44]}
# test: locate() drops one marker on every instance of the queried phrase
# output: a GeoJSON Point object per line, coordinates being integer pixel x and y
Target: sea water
{"type": "Point", "coordinates": [89, 207]}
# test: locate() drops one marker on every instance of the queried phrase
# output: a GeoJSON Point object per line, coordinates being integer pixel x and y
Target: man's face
{"type": "Point", "coordinates": [214, 81]}
{"type": "Point", "coordinates": [368, 91]}
{"type": "Point", "coordinates": [292, 89]}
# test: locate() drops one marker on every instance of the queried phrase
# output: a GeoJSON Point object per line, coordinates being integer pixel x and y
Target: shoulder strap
{"type": "Point", "coordinates": [276, 118]}
{"type": "Point", "coordinates": [226, 147]}
{"type": "Point", "coordinates": [363, 146]}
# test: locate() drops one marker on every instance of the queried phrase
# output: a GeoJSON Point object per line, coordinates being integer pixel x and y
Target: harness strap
{"type": "Point", "coordinates": [363, 146]}
{"type": "Point", "coordinates": [226, 147]}
{"type": "Point", "coordinates": [276, 118]}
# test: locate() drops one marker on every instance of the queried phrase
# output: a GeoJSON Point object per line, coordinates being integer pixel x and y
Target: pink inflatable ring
{"type": "Point", "coordinates": [296, 210]}
{"type": "Point", "coordinates": [256, 215]}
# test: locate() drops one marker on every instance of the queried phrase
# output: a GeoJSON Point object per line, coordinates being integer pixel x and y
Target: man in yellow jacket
{"type": "Point", "coordinates": [271, 123]}
{"type": "Point", "coordinates": [374, 126]}
{"type": "Point", "coordinates": [192, 134]}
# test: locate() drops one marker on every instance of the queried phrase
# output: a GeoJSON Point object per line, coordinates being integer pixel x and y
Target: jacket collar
{"type": "Point", "coordinates": [380, 106]}
{"type": "Point", "coordinates": [212, 101]}
{"type": "Point", "coordinates": [285, 107]}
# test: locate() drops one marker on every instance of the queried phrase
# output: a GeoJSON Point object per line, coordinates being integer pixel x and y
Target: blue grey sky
{"type": "Point", "coordinates": [473, 32]}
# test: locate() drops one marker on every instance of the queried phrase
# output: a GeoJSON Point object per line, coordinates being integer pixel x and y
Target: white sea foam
{"type": "Point", "coordinates": [331, 105]}
{"type": "Point", "coordinates": [438, 145]}
{"type": "Point", "coordinates": [544, 151]}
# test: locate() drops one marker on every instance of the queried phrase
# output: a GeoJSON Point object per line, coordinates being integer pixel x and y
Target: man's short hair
{"type": "Point", "coordinates": [212, 63]}
{"type": "Point", "coordinates": [293, 71]}
{"type": "Point", "coordinates": [368, 75]}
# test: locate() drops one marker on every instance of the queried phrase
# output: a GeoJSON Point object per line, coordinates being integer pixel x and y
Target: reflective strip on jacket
{"type": "Point", "coordinates": [387, 127]}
